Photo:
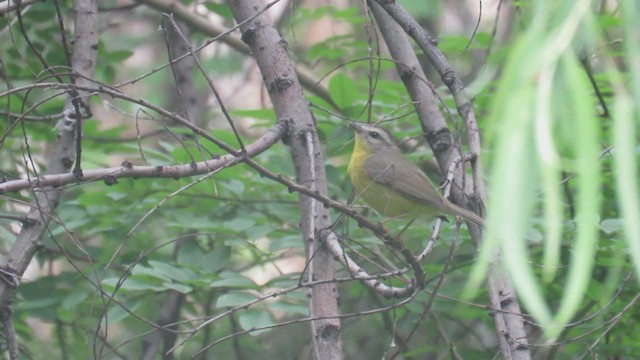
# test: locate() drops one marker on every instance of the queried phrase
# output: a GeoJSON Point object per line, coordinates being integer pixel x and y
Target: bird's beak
{"type": "Point", "coordinates": [355, 126]}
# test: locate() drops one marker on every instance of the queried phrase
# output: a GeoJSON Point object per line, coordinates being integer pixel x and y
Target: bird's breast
{"type": "Point", "coordinates": [380, 197]}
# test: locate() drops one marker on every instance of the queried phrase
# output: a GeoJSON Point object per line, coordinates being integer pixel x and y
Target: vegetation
{"type": "Point", "coordinates": [171, 189]}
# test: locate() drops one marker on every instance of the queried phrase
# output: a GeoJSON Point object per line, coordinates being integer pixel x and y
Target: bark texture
{"type": "Point", "coordinates": [278, 71]}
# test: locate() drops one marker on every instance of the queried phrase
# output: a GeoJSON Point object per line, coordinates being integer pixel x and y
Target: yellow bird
{"type": "Point", "coordinates": [390, 183]}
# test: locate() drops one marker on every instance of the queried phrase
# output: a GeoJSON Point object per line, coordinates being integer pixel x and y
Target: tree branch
{"type": "Point", "coordinates": [270, 52]}
{"type": "Point", "coordinates": [64, 151]}
{"type": "Point", "coordinates": [127, 170]}
{"type": "Point", "coordinates": [10, 5]}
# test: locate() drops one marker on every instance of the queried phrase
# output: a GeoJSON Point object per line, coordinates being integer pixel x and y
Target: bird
{"type": "Point", "coordinates": [390, 183]}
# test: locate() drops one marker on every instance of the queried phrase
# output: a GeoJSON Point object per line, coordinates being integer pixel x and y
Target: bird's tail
{"type": "Point", "coordinates": [466, 214]}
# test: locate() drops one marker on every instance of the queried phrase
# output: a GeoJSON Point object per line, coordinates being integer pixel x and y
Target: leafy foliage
{"type": "Point", "coordinates": [229, 246]}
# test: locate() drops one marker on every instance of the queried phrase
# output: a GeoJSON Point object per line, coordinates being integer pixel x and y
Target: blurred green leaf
{"type": "Point", "coordinates": [231, 279]}
{"type": "Point", "coordinates": [254, 319]}
{"type": "Point", "coordinates": [610, 226]}
{"type": "Point", "coordinates": [342, 90]}
{"type": "Point", "coordinates": [234, 298]}
{"type": "Point", "coordinates": [184, 289]}
{"type": "Point", "coordinates": [220, 9]}
{"type": "Point", "coordinates": [119, 313]}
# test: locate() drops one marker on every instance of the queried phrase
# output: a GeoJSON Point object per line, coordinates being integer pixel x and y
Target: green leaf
{"type": "Point", "coordinates": [169, 271]}
{"type": "Point", "coordinates": [263, 114]}
{"type": "Point", "coordinates": [588, 197]}
{"type": "Point", "coordinates": [115, 196]}
{"type": "Point", "coordinates": [230, 279]}
{"type": "Point", "coordinates": [253, 319]}
{"type": "Point", "coordinates": [36, 304]}
{"type": "Point", "coordinates": [285, 242]}
{"type": "Point", "coordinates": [184, 289]}
{"type": "Point", "coordinates": [296, 309]}
{"type": "Point", "coordinates": [259, 231]}
{"type": "Point", "coordinates": [419, 10]}
{"type": "Point", "coordinates": [239, 224]}
{"type": "Point", "coordinates": [342, 90]}
{"type": "Point", "coordinates": [349, 14]}
{"type": "Point", "coordinates": [233, 185]}
{"type": "Point", "coordinates": [610, 226]}
{"type": "Point", "coordinates": [73, 299]}
{"type": "Point", "coordinates": [131, 284]}
{"type": "Point", "coordinates": [609, 21]}
{"type": "Point", "coordinates": [625, 130]}
{"type": "Point", "coordinates": [220, 9]}
{"type": "Point", "coordinates": [118, 313]}
{"type": "Point", "coordinates": [116, 56]}
{"type": "Point", "coordinates": [205, 261]}
{"type": "Point", "coordinates": [453, 44]}
{"type": "Point", "coordinates": [234, 298]}
{"type": "Point", "coordinates": [482, 40]}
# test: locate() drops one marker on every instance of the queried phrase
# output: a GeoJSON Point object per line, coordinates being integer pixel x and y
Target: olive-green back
{"type": "Point", "coordinates": [392, 169]}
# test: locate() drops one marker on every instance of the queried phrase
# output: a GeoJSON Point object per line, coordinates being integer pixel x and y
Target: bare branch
{"type": "Point", "coordinates": [333, 242]}
{"type": "Point", "coordinates": [10, 5]}
{"type": "Point", "coordinates": [9, 333]}
{"type": "Point", "coordinates": [127, 170]}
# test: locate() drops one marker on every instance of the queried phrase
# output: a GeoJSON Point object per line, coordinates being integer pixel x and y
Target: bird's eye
{"type": "Point", "coordinates": [374, 134]}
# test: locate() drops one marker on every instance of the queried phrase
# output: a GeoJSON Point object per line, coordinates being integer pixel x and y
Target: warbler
{"type": "Point", "coordinates": [390, 183]}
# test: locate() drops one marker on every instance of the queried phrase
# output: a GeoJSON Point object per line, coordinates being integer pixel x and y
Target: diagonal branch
{"type": "Point", "coordinates": [8, 6]}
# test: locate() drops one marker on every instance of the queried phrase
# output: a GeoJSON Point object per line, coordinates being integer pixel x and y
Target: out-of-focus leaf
{"type": "Point", "coordinates": [133, 284]}
{"type": "Point", "coordinates": [610, 226]}
{"type": "Point", "coordinates": [235, 298]}
{"type": "Point", "coordinates": [342, 90]}
{"type": "Point", "coordinates": [184, 289]}
{"type": "Point", "coordinates": [220, 9]}
{"type": "Point", "coordinates": [118, 313]}
{"type": "Point", "coordinates": [254, 319]}
{"type": "Point", "coordinates": [230, 279]}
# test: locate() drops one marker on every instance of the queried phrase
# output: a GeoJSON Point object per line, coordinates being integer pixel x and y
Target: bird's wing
{"type": "Point", "coordinates": [394, 170]}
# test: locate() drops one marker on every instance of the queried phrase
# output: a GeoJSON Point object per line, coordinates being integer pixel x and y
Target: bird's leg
{"type": "Point", "coordinates": [397, 239]}
{"type": "Point", "coordinates": [405, 228]}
